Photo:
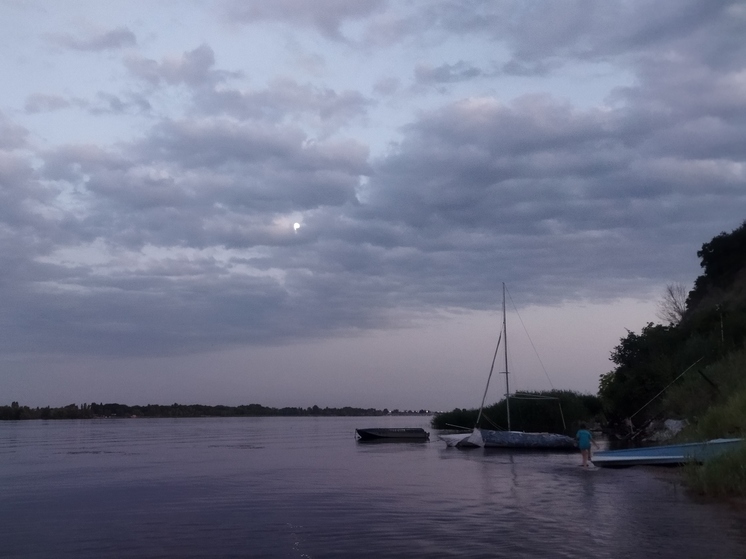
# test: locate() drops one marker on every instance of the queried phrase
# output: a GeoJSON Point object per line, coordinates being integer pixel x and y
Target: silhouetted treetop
{"type": "Point", "coordinates": [722, 260]}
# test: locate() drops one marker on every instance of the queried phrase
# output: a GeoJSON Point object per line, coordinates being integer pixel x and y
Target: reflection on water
{"type": "Point", "coordinates": [302, 487]}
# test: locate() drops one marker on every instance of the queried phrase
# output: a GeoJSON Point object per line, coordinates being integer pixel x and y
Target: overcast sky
{"type": "Point", "coordinates": [316, 202]}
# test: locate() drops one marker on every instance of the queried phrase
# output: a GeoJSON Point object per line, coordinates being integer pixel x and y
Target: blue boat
{"type": "Point", "coordinates": [664, 455]}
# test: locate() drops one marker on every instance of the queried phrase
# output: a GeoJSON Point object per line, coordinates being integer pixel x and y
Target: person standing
{"type": "Point", "coordinates": [585, 439]}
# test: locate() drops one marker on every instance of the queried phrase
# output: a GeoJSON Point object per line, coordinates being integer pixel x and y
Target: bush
{"type": "Point", "coordinates": [723, 476]}
{"type": "Point", "coordinates": [555, 411]}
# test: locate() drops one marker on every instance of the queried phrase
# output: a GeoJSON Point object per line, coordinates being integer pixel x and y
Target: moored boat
{"type": "Point", "coordinates": [508, 439]}
{"type": "Point", "coordinates": [521, 439]}
{"type": "Point", "coordinates": [664, 455]}
{"type": "Point", "coordinates": [462, 440]}
{"type": "Point", "coordinates": [393, 434]}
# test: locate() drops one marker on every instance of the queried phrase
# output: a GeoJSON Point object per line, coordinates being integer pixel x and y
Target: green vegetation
{"type": "Point", "coordinates": [693, 368]}
{"type": "Point", "coordinates": [90, 411]}
{"type": "Point", "coordinates": [555, 411]}
{"type": "Point", "coordinates": [723, 476]}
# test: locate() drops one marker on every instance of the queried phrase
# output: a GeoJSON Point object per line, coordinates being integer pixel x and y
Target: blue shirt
{"type": "Point", "coordinates": [584, 439]}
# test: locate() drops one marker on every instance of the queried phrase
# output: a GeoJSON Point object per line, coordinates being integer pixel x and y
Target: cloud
{"type": "Point", "coordinates": [12, 135]}
{"type": "Point", "coordinates": [206, 183]}
{"type": "Point", "coordinates": [118, 38]}
{"type": "Point", "coordinates": [180, 238]}
{"type": "Point", "coordinates": [38, 103]}
{"type": "Point", "coordinates": [192, 68]}
{"type": "Point", "coordinates": [286, 100]}
{"type": "Point", "coordinates": [446, 73]}
{"type": "Point", "coordinates": [107, 103]}
{"type": "Point", "coordinates": [326, 16]}
{"type": "Point", "coordinates": [387, 86]}
{"type": "Point", "coordinates": [553, 197]}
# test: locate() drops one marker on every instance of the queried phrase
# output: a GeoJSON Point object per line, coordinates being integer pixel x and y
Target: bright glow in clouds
{"type": "Point", "coordinates": [158, 160]}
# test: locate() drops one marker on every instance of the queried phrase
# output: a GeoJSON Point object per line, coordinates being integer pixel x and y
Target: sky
{"type": "Point", "coordinates": [298, 203]}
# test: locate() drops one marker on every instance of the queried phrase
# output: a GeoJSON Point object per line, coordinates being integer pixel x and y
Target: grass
{"type": "Point", "coordinates": [694, 395]}
{"type": "Point", "coordinates": [724, 420]}
{"type": "Point", "coordinates": [724, 476]}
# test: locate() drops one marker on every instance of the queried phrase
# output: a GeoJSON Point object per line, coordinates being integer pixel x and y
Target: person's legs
{"type": "Point", "coordinates": [584, 454]}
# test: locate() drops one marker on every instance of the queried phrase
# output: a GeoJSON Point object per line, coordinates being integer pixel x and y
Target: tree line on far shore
{"type": "Point", "coordinates": [91, 411]}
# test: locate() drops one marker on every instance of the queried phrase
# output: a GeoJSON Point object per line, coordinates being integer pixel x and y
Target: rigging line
{"type": "Point", "coordinates": [562, 415]}
{"type": "Point", "coordinates": [495, 425]}
{"type": "Point", "coordinates": [666, 388]}
{"type": "Point", "coordinates": [530, 340]}
{"type": "Point", "coordinates": [492, 368]}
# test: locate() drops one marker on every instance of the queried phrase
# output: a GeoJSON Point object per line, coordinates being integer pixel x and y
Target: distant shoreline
{"type": "Point", "coordinates": [16, 412]}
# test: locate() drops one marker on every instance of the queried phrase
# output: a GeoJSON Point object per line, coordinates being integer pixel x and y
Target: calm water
{"type": "Point", "coordinates": [292, 488]}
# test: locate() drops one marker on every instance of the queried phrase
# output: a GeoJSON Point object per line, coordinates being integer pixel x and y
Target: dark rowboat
{"type": "Point", "coordinates": [393, 434]}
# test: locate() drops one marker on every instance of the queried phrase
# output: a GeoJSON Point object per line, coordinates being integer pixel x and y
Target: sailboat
{"type": "Point", "coordinates": [506, 439]}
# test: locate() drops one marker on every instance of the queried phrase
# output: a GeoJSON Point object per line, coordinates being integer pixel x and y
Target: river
{"type": "Point", "coordinates": [304, 488]}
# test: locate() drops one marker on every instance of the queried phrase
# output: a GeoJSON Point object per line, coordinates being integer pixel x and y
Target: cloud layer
{"type": "Point", "coordinates": [177, 235]}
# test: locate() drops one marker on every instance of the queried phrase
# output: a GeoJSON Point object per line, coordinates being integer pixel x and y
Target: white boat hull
{"type": "Point", "coordinates": [463, 440]}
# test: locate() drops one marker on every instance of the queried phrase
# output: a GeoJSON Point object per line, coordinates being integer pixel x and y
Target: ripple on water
{"type": "Point", "coordinates": [302, 487]}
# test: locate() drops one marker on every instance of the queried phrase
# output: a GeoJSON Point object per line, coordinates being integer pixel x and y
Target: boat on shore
{"type": "Point", "coordinates": [664, 455]}
{"type": "Point", "coordinates": [406, 434]}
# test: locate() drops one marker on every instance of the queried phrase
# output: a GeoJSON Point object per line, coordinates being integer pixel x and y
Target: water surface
{"type": "Point", "coordinates": [302, 487]}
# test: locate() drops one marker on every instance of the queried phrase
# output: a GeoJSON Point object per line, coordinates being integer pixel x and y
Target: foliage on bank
{"type": "Point", "coordinates": [723, 476]}
{"type": "Point", "coordinates": [693, 368]}
{"type": "Point", "coordinates": [555, 411]}
{"type": "Point", "coordinates": [648, 380]}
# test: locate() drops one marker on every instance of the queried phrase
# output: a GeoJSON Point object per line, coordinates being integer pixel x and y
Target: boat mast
{"type": "Point", "coordinates": [505, 347]}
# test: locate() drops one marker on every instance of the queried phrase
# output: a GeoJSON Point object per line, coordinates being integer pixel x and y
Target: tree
{"type": "Point", "coordinates": [722, 259]}
{"type": "Point", "coordinates": [673, 306]}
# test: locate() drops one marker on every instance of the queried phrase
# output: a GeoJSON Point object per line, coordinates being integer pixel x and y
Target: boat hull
{"type": "Point", "coordinates": [472, 439]}
{"type": "Point", "coordinates": [530, 441]}
{"type": "Point", "coordinates": [393, 434]}
{"type": "Point", "coordinates": [510, 440]}
{"type": "Point", "coordinates": [664, 455]}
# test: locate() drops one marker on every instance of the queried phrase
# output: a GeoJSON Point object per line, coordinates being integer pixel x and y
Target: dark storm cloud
{"type": "Point", "coordinates": [115, 39]}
